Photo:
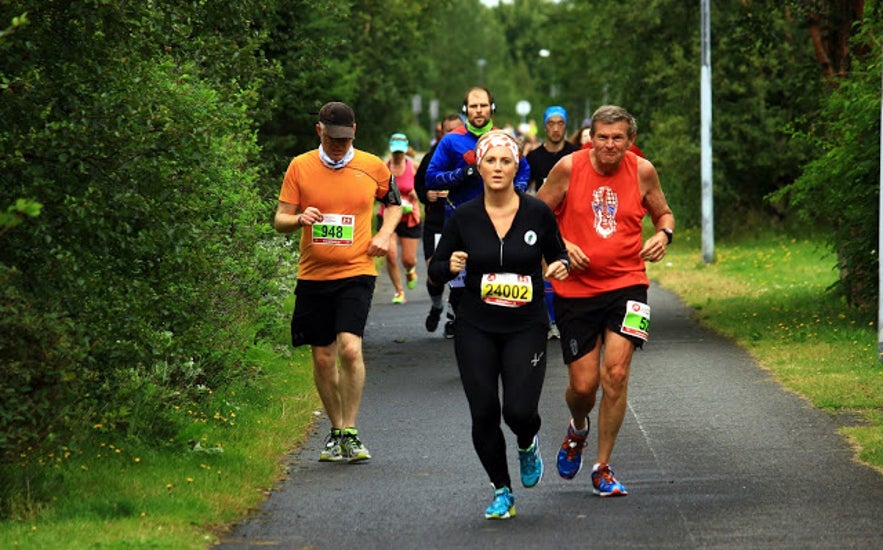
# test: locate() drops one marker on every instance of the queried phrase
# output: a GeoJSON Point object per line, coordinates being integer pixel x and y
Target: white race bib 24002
{"type": "Point", "coordinates": [506, 289]}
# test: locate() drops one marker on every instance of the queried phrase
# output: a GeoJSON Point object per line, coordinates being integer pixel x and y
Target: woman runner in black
{"type": "Point", "coordinates": [501, 239]}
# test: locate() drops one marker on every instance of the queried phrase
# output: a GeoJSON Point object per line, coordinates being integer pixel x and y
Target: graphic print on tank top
{"type": "Point", "coordinates": [604, 204]}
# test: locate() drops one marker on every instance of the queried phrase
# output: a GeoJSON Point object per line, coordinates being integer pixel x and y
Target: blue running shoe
{"type": "Point", "coordinates": [503, 506]}
{"type": "Point", "coordinates": [570, 456]}
{"type": "Point", "coordinates": [605, 485]}
{"type": "Point", "coordinates": [531, 463]}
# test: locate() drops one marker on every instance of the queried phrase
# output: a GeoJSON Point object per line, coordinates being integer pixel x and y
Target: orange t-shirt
{"type": "Point", "coordinates": [602, 215]}
{"type": "Point", "coordinates": [347, 195]}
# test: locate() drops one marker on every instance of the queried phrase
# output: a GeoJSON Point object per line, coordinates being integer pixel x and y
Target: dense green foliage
{"type": "Point", "coordinates": [764, 80]}
{"type": "Point", "coordinates": [143, 143]}
{"type": "Point", "coordinates": [136, 282]}
{"type": "Point", "coordinates": [839, 189]}
{"type": "Point", "coordinates": [376, 56]}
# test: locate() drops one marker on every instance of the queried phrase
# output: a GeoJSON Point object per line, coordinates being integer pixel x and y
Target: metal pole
{"type": "Point", "coordinates": [705, 105]}
{"type": "Point", "coordinates": [880, 242]}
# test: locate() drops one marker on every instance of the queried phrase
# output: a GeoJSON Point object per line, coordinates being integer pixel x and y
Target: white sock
{"type": "Point", "coordinates": [584, 431]}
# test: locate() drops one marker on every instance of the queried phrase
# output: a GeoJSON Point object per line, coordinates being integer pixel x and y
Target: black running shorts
{"type": "Point", "coordinates": [582, 321]}
{"type": "Point", "coordinates": [324, 309]}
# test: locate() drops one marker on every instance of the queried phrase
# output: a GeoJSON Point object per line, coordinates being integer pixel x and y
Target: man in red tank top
{"type": "Point", "coordinates": [600, 196]}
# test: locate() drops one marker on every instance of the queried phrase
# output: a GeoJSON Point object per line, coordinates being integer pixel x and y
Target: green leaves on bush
{"type": "Point", "coordinates": [142, 277]}
{"type": "Point", "coordinates": [838, 191]}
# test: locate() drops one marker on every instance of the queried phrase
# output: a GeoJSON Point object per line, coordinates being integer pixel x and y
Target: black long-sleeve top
{"type": "Point", "coordinates": [435, 210]}
{"type": "Point", "coordinates": [533, 236]}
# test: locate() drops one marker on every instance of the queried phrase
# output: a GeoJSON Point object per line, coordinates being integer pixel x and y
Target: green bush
{"type": "Point", "coordinates": [39, 352]}
{"type": "Point", "coordinates": [839, 190]}
{"type": "Point", "coordinates": [138, 285]}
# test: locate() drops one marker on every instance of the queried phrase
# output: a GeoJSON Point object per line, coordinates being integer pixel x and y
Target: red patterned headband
{"type": "Point", "coordinates": [496, 139]}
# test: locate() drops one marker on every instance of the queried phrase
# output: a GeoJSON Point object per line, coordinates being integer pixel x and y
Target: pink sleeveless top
{"type": "Point", "coordinates": [405, 183]}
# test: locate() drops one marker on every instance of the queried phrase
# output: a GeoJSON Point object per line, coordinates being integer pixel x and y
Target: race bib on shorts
{"type": "Point", "coordinates": [506, 289]}
{"type": "Point", "coordinates": [334, 229]}
{"type": "Point", "coordinates": [637, 320]}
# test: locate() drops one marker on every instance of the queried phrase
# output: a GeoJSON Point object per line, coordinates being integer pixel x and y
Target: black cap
{"type": "Point", "coordinates": [339, 120]}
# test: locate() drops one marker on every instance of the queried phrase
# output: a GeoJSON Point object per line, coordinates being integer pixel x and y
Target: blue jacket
{"type": "Point", "coordinates": [447, 169]}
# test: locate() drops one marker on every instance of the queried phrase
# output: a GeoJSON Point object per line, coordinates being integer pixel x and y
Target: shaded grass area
{"type": "Point", "coordinates": [771, 295]}
{"type": "Point", "coordinates": [182, 494]}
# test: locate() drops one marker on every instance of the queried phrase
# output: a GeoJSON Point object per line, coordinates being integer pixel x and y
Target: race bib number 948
{"type": "Point", "coordinates": [334, 229]}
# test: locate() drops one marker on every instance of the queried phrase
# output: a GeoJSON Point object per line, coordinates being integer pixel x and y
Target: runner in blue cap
{"type": "Point", "coordinates": [541, 161]}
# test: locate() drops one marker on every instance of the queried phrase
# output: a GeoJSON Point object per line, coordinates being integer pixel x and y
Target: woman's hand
{"type": "Point", "coordinates": [557, 270]}
{"type": "Point", "coordinates": [457, 263]}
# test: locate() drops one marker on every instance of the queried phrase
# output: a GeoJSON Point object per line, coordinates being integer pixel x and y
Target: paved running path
{"type": "Point", "coordinates": [714, 452]}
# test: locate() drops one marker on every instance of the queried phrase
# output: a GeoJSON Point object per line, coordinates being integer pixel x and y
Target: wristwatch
{"type": "Point", "coordinates": [668, 233]}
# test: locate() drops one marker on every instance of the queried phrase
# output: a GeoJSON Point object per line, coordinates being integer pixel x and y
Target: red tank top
{"type": "Point", "coordinates": [602, 215]}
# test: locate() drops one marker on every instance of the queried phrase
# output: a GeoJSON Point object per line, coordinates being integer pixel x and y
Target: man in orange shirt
{"type": "Point", "coordinates": [328, 193]}
{"type": "Point", "coordinates": [600, 196]}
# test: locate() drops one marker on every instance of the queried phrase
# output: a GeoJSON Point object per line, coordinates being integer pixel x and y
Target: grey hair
{"type": "Point", "coordinates": [610, 114]}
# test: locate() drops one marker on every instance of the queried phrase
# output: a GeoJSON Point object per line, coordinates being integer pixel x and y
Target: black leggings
{"type": "Point", "coordinates": [519, 360]}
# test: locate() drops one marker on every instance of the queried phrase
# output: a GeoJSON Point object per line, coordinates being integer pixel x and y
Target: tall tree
{"type": "Point", "coordinates": [830, 24]}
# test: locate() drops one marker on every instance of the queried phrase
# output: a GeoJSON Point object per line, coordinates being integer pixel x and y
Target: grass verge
{"type": "Point", "coordinates": [769, 294]}
{"type": "Point", "coordinates": [185, 493]}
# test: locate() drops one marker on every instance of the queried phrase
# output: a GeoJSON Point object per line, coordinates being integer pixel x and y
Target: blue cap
{"type": "Point", "coordinates": [398, 143]}
{"type": "Point", "coordinates": [554, 110]}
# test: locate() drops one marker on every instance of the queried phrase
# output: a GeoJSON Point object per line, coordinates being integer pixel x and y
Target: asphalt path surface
{"type": "Point", "coordinates": [714, 452]}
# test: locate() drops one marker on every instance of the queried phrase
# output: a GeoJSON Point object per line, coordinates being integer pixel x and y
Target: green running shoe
{"type": "Point", "coordinates": [332, 451]}
{"type": "Point", "coordinates": [411, 276]}
{"type": "Point", "coordinates": [352, 448]}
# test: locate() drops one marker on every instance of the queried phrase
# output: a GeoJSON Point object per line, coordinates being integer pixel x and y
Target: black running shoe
{"type": "Point", "coordinates": [449, 330]}
{"type": "Point", "coordinates": [433, 318]}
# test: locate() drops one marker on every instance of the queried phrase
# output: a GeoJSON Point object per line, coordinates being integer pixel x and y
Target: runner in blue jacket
{"type": "Point", "coordinates": [453, 167]}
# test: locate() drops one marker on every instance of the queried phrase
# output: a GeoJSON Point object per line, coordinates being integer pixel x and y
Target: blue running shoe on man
{"type": "Point", "coordinates": [503, 506]}
{"type": "Point", "coordinates": [531, 463]}
{"type": "Point", "coordinates": [604, 484]}
{"type": "Point", "coordinates": [570, 456]}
